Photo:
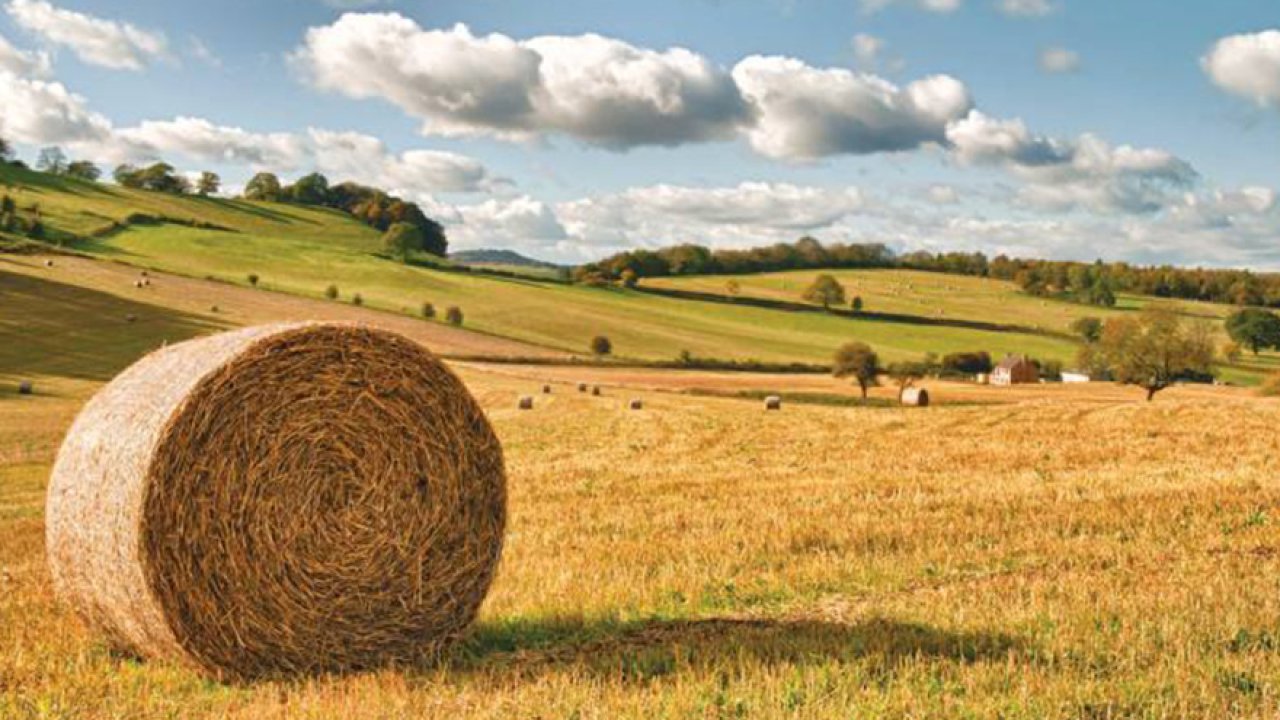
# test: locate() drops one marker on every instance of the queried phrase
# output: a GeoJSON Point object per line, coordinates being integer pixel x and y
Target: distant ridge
{"type": "Point", "coordinates": [498, 257]}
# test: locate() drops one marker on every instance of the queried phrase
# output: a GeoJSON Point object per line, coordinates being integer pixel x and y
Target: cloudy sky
{"type": "Point", "coordinates": [1144, 130]}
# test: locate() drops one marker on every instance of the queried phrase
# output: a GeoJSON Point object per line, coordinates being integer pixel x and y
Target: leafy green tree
{"type": "Point", "coordinates": [357, 300]}
{"type": "Point", "coordinates": [127, 175]}
{"type": "Point", "coordinates": [628, 278]}
{"type": "Point", "coordinates": [253, 279]}
{"type": "Point", "coordinates": [1088, 328]}
{"type": "Point", "coordinates": [600, 346]}
{"type": "Point", "coordinates": [209, 184]}
{"type": "Point", "coordinates": [1154, 350]}
{"type": "Point", "coordinates": [6, 150]}
{"type": "Point", "coordinates": [402, 240]}
{"type": "Point", "coordinates": [856, 304]}
{"type": "Point", "coordinates": [825, 289]}
{"type": "Point", "coordinates": [858, 361]}
{"type": "Point", "coordinates": [1255, 328]}
{"type": "Point", "coordinates": [310, 189]}
{"type": "Point", "coordinates": [84, 170]}
{"type": "Point", "coordinates": [331, 292]}
{"type": "Point", "coordinates": [263, 186]}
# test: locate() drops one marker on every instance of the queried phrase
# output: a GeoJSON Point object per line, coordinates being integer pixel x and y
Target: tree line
{"type": "Point", "coordinates": [1091, 283]}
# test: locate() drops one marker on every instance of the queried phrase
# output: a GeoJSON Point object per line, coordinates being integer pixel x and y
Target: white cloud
{"type": "Point", "coordinates": [108, 43]}
{"type": "Point", "coordinates": [365, 159]}
{"type": "Point", "coordinates": [37, 112]}
{"type": "Point", "coordinates": [867, 49]}
{"type": "Point", "coordinates": [1025, 8]}
{"type": "Point", "coordinates": [807, 112]}
{"type": "Point", "coordinates": [1063, 175]}
{"type": "Point", "coordinates": [1059, 60]}
{"type": "Point", "coordinates": [21, 62]}
{"type": "Point", "coordinates": [601, 91]}
{"type": "Point", "coordinates": [933, 6]}
{"type": "Point", "coordinates": [200, 139]}
{"type": "Point", "coordinates": [1247, 65]}
{"type": "Point", "coordinates": [521, 222]}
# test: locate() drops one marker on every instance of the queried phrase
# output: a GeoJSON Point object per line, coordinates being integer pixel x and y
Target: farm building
{"type": "Point", "coordinates": [1015, 370]}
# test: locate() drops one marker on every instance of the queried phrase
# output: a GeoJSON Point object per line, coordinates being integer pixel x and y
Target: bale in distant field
{"type": "Point", "coordinates": [48, 263]}
{"type": "Point", "coordinates": [582, 387]}
{"type": "Point", "coordinates": [546, 389]}
{"type": "Point", "coordinates": [130, 318]}
{"type": "Point", "coordinates": [915, 397]}
{"type": "Point", "coordinates": [137, 283]}
{"type": "Point", "coordinates": [278, 500]}
{"type": "Point", "coordinates": [636, 404]}
{"type": "Point", "coordinates": [595, 389]}
{"type": "Point", "coordinates": [26, 388]}
{"type": "Point", "coordinates": [773, 402]}
{"type": "Point", "coordinates": [526, 402]}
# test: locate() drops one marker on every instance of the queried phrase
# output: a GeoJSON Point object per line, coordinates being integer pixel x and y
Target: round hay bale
{"type": "Point", "coordinates": [636, 404]}
{"type": "Point", "coordinates": [26, 388]}
{"type": "Point", "coordinates": [48, 263]}
{"type": "Point", "coordinates": [546, 389]}
{"type": "Point", "coordinates": [773, 402]}
{"type": "Point", "coordinates": [137, 283]}
{"type": "Point", "coordinates": [144, 273]}
{"type": "Point", "coordinates": [582, 387]}
{"type": "Point", "coordinates": [130, 318]}
{"type": "Point", "coordinates": [595, 389]}
{"type": "Point", "coordinates": [915, 397]}
{"type": "Point", "coordinates": [526, 402]}
{"type": "Point", "coordinates": [214, 308]}
{"type": "Point", "coordinates": [146, 283]}
{"type": "Point", "coordinates": [279, 500]}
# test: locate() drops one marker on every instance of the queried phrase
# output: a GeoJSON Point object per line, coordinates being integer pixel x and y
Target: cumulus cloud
{"type": "Point", "coordinates": [366, 159]}
{"type": "Point", "coordinates": [1247, 65]}
{"type": "Point", "coordinates": [22, 62]}
{"type": "Point", "coordinates": [602, 91]}
{"type": "Point", "coordinates": [1059, 60]}
{"type": "Point", "coordinates": [1063, 175]}
{"type": "Point", "coordinates": [806, 112]}
{"type": "Point", "coordinates": [97, 41]}
{"type": "Point", "coordinates": [201, 139]}
{"type": "Point", "coordinates": [1025, 8]}
{"type": "Point", "coordinates": [46, 113]}
{"type": "Point", "coordinates": [521, 222]}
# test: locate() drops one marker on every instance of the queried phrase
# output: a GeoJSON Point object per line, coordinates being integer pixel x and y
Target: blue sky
{"type": "Point", "coordinates": [1142, 130]}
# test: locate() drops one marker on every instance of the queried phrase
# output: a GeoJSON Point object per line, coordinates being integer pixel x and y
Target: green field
{"type": "Point", "coordinates": [302, 251]}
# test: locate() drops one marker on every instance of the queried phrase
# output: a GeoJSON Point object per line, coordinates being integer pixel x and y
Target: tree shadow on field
{"type": "Point", "coordinates": [643, 650]}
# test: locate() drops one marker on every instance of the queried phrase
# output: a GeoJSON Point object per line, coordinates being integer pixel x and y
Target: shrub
{"type": "Point", "coordinates": [357, 299]}
{"type": "Point", "coordinates": [331, 292]}
{"type": "Point", "coordinates": [971, 363]}
{"type": "Point", "coordinates": [253, 279]}
{"type": "Point", "coordinates": [600, 345]}
{"type": "Point", "coordinates": [453, 315]}
{"type": "Point", "coordinates": [428, 310]}
{"type": "Point", "coordinates": [856, 305]}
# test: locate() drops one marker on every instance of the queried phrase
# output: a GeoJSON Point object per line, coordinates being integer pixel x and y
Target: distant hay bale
{"type": "Point", "coordinates": [546, 389]}
{"type": "Point", "coordinates": [279, 500]}
{"type": "Point", "coordinates": [144, 273]}
{"type": "Point", "coordinates": [526, 402]}
{"type": "Point", "coordinates": [26, 388]}
{"type": "Point", "coordinates": [595, 389]}
{"type": "Point", "coordinates": [48, 263]}
{"type": "Point", "coordinates": [636, 404]}
{"type": "Point", "coordinates": [137, 283]}
{"type": "Point", "coordinates": [213, 308]}
{"type": "Point", "coordinates": [130, 318]}
{"type": "Point", "coordinates": [915, 397]}
{"type": "Point", "coordinates": [146, 282]}
{"type": "Point", "coordinates": [773, 402]}
{"type": "Point", "coordinates": [582, 387]}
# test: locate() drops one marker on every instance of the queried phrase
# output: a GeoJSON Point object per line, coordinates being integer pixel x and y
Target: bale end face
{"type": "Point", "coordinates": [48, 263]}
{"type": "Point", "coordinates": [915, 397]}
{"type": "Point", "coordinates": [773, 402]}
{"type": "Point", "coordinates": [341, 479]}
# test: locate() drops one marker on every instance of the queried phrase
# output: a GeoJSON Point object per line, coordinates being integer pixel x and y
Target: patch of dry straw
{"type": "Point", "coordinates": [280, 500]}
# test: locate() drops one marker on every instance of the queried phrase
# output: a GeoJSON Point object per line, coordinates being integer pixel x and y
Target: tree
{"type": "Point", "coordinates": [600, 346]}
{"type": "Point", "coordinates": [825, 289]}
{"type": "Point", "coordinates": [331, 292]}
{"type": "Point", "coordinates": [1088, 328]}
{"type": "Point", "coordinates": [858, 361]}
{"type": "Point", "coordinates": [453, 315]}
{"type": "Point", "coordinates": [1254, 328]}
{"type": "Point", "coordinates": [209, 184]}
{"type": "Point", "coordinates": [310, 189]}
{"type": "Point", "coordinates": [1155, 349]}
{"type": "Point", "coordinates": [263, 186]}
{"type": "Point", "coordinates": [856, 304]}
{"type": "Point", "coordinates": [52, 160]}
{"type": "Point", "coordinates": [629, 278]}
{"type": "Point", "coordinates": [127, 176]}
{"type": "Point", "coordinates": [907, 372]}
{"type": "Point", "coordinates": [84, 170]}
{"type": "Point", "coordinates": [357, 300]}
{"type": "Point", "coordinates": [253, 279]}
{"type": "Point", "coordinates": [428, 310]}
{"type": "Point", "coordinates": [402, 240]}
{"type": "Point", "coordinates": [6, 150]}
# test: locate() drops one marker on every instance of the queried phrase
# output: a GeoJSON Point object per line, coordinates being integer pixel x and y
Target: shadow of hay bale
{"type": "Point", "coordinates": [643, 650]}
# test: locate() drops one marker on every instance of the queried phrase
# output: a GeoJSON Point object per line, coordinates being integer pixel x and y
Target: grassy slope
{"type": "Point", "coordinates": [304, 250]}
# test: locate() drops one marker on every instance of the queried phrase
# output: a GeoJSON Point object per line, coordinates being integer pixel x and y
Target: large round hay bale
{"type": "Point", "coordinates": [595, 389]}
{"type": "Point", "coordinates": [526, 402]}
{"type": "Point", "coordinates": [546, 389]}
{"type": "Point", "coordinates": [582, 387]}
{"type": "Point", "coordinates": [636, 404]}
{"type": "Point", "coordinates": [915, 397]}
{"type": "Point", "coordinates": [773, 402]}
{"type": "Point", "coordinates": [278, 500]}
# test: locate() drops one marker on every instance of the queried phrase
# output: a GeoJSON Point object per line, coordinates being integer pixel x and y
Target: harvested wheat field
{"type": "Point", "coordinates": [1032, 559]}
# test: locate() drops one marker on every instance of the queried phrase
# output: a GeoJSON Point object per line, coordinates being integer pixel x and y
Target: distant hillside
{"type": "Point", "coordinates": [499, 257]}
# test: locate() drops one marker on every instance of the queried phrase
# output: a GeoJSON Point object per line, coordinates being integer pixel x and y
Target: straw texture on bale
{"type": "Point", "coordinates": [915, 397]}
{"type": "Point", "coordinates": [773, 402]}
{"type": "Point", "coordinates": [279, 500]}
